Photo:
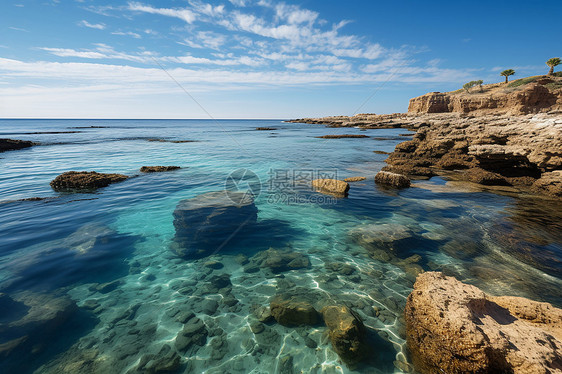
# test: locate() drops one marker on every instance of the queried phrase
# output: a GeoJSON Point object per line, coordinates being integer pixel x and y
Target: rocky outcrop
{"type": "Point", "coordinates": [12, 144]}
{"type": "Point", "coordinates": [157, 169]}
{"type": "Point", "coordinates": [347, 333]}
{"type": "Point", "coordinates": [265, 128]}
{"type": "Point", "coordinates": [84, 180]}
{"type": "Point", "coordinates": [453, 327]}
{"type": "Point", "coordinates": [392, 179]}
{"type": "Point", "coordinates": [490, 150]}
{"type": "Point", "coordinates": [208, 222]}
{"type": "Point", "coordinates": [498, 98]}
{"type": "Point", "coordinates": [331, 186]}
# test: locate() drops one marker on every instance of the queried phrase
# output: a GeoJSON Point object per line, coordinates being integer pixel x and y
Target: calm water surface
{"type": "Point", "coordinates": [62, 251]}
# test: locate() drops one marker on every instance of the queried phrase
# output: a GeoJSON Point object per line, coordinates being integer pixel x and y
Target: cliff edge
{"type": "Point", "coordinates": [522, 96]}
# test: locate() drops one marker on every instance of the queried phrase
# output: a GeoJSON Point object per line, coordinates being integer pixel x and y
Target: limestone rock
{"type": "Point", "coordinates": [392, 179]}
{"type": "Point", "coordinates": [331, 186]}
{"type": "Point", "coordinates": [84, 180]}
{"type": "Point", "coordinates": [157, 169]}
{"type": "Point", "coordinates": [347, 333]}
{"type": "Point", "coordinates": [207, 223]}
{"type": "Point", "coordinates": [549, 184]}
{"type": "Point", "coordinates": [456, 328]}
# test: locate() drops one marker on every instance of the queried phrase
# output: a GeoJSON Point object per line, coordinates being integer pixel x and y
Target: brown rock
{"type": "Point", "coordinates": [331, 186]}
{"type": "Point", "coordinates": [265, 128]}
{"type": "Point", "coordinates": [347, 333]}
{"type": "Point", "coordinates": [354, 179]}
{"type": "Point", "coordinates": [392, 179]}
{"type": "Point", "coordinates": [456, 328]}
{"type": "Point", "coordinates": [292, 311]}
{"type": "Point", "coordinates": [481, 176]}
{"type": "Point", "coordinates": [157, 169]}
{"type": "Point", "coordinates": [79, 180]}
{"type": "Point", "coordinates": [549, 184]}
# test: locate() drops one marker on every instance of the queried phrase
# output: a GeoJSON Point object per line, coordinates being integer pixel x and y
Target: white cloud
{"type": "Point", "coordinates": [183, 14]}
{"type": "Point", "coordinates": [127, 33]}
{"type": "Point", "coordinates": [98, 26]}
{"type": "Point", "coordinates": [18, 29]}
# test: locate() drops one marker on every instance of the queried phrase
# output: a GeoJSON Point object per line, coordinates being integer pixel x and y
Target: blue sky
{"type": "Point", "coordinates": [258, 58]}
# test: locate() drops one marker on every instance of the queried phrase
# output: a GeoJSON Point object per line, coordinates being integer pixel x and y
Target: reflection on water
{"type": "Point", "coordinates": [91, 285]}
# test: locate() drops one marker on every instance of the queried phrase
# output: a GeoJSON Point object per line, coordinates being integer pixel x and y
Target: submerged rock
{"type": "Point", "coordinates": [456, 328]}
{"type": "Point", "coordinates": [157, 169]}
{"type": "Point", "coordinates": [549, 184]}
{"type": "Point", "coordinates": [331, 186]}
{"type": "Point", "coordinates": [29, 322]}
{"type": "Point", "coordinates": [194, 333]}
{"type": "Point", "coordinates": [279, 260]}
{"type": "Point", "coordinates": [291, 310]}
{"type": "Point", "coordinates": [347, 333]}
{"type": "Point", "coordinates": [13, 144]}
{"type": "Point", "coordinates": [207, 223]}
{"type": "Point", "coordinates": [84, 180]}
{"type": "Point", "coordinates": [481, 176]}
{"type": "Point", "coordinates": [265, 128]}
{"type": "Point", "coordinates": [392, 179]}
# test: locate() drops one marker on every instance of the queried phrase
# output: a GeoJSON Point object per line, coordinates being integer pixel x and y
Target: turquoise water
{"type": "Point", "coordinates": [65, 246]}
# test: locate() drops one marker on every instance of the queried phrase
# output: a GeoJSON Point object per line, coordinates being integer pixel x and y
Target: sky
{"type": "Point", "coordinates": [258, 58]}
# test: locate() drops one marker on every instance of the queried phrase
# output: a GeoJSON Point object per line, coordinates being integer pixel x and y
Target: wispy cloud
{"type": "Point", "coordinates": [184, 14]}
{"type": "Point", "coordinates": [97, 26]}
{"type": "Point", "coordinates": [127, 33]}
{"type": "Point", "coordinates": [18, 29]}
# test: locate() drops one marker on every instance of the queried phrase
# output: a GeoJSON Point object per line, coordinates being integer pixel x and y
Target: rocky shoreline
{"type": "Point", "coordinates": [522, 151]}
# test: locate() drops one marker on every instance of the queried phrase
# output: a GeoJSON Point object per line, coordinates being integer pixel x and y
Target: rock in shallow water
{"type": "Point", "coordinates": [347, 333]}
{"type": "Point", "coordinates": [293, 311]}
{"type": "Point", "coordinates": [157, 169]}
{"type": "Point", "coordinates": [453, 327]}
{"type": "Point", "coordinates": [11, 144]}
{"type": "Point", "coordinates": [84, 180]}
{"type": "Point", "coordinates": [331, 186]}
{"type": "Point", "coordinates": [392, 179]}
{"type": "Point", "coordinates": [207, 223]}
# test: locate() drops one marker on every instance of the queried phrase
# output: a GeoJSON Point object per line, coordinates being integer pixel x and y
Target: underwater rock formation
{"type": "Point", "coordinates": [28, 321]}
{"type": "Point", "coordinates": [279, 260]}
{"type": "Point", "coordinates": [208, 222]}
{"type": "Point", "coordinates": [84, 180]}
{"type": "Point", "coordinates": [453, 327]}
{"type": "Point", "coordinates": [289, 310]}
{"type": "Point", "coordinates": [347, 333]}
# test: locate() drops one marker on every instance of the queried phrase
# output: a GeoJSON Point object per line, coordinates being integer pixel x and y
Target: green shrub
{"type": "Point", "coordinates": [522, 81]}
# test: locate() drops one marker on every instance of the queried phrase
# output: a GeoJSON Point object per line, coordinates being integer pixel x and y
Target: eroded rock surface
{"type": "Point", "coordinates": [84, 180]}
{"type": "Point", "coordinates": [392, 179]}
{"type": "Point", "coordinates": [347, 333]}
{"type": "Point", "coordinates": [453, 327]}
{"type": "Point", "coordinates": [331, 186]}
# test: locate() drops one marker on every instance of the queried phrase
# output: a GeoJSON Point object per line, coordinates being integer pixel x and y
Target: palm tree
{"type": "Point", "coordinates": [555, 61]}
{"type": "Point", "coordinates": [507, 73]}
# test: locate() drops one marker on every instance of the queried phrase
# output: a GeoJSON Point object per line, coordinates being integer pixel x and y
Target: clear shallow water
{"type": "Point", "coordinates": [67, 245]}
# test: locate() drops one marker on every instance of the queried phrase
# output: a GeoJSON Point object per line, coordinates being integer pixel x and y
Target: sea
{"type": "Point", "coordinates": [91, 283]}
